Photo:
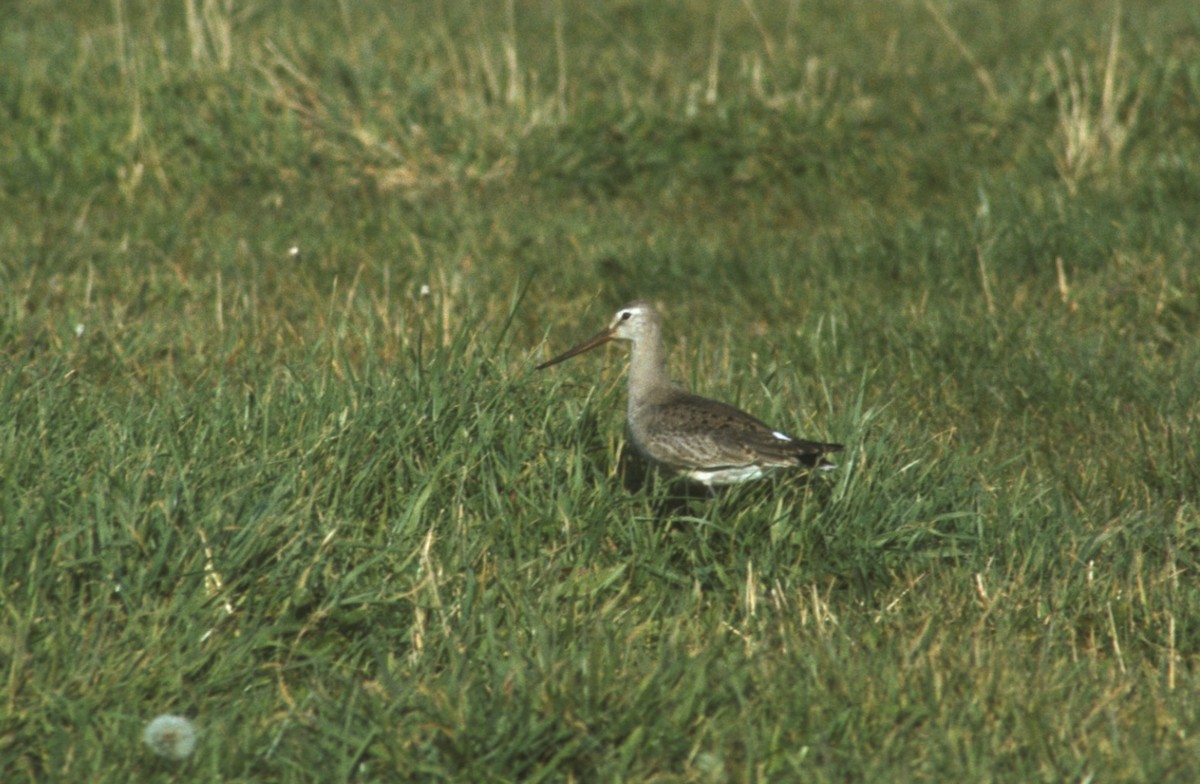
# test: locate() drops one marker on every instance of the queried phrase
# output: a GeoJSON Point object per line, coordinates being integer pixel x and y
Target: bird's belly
{"type": "Point", "coordinates": [725, 476]}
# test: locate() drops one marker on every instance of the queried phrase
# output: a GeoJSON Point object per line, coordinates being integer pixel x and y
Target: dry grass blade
{"type": "Point", "coordinates": [1092, 129]}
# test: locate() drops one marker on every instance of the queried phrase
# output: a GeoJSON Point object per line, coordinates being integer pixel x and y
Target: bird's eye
{"type": "Point", "coordinates": [626, 315]}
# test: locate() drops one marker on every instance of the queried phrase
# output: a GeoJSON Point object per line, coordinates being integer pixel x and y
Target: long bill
{"type": "Point", "coordinates": [588, 345]}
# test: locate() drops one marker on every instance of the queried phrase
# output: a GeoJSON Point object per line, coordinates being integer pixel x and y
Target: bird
{"type": "Point", "coordinates": [705, 441]}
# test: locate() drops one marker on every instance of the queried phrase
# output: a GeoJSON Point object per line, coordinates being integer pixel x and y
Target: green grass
{"type": "Point", "coordinates": [319, 501]}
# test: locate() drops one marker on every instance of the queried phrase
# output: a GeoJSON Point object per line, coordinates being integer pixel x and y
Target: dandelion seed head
{"type": "Point", "coordinates": [173, 737]}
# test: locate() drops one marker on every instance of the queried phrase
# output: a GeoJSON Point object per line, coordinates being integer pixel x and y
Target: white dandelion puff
{"type": "Point", "coordinates": [173, 737]}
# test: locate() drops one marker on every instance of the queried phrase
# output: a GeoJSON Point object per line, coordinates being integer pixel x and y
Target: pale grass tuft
{"type": "Point", "coordinates": [1092, 130]}
{"type": "Point", "coordinates": [401, 158]}
{"type": "Point", "coordinates": [210, 32]}
{"type": "Point", "coordinates": [815, 93]}
{"type": "Point", "coordinates": [1064, 289]}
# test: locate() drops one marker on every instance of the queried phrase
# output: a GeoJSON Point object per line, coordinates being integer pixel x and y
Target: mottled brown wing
{"type": "Point", "coordinates": [690, 431]}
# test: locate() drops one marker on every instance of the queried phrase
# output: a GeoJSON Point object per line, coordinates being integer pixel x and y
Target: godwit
{"type": "Point", "coordinates": [703, 440]}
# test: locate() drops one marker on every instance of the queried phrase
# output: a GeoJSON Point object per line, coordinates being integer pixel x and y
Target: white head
{"type": "Point", "coordinates": [635, 321]}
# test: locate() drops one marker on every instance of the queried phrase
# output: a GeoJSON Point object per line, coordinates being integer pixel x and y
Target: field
{"type": "Point", "coordinates": [274, 455]}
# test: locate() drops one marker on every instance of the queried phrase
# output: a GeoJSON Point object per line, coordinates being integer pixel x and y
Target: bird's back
{"type": "Point", "coordinates": [689, 433]}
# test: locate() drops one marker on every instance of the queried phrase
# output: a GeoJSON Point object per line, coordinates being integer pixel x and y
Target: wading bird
{"type": "Point", "coordinates": [704, 440]}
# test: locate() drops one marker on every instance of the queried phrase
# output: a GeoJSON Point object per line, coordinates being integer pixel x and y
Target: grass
{"type": "Point", "coordinates": [273, 456]}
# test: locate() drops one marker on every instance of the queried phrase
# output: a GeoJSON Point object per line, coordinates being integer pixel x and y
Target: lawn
{"type": "Point", "coordinates": [274, 455]}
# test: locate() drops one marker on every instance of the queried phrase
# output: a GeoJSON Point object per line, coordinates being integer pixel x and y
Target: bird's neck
{"type": "Point", "coordinates": [647, 369]}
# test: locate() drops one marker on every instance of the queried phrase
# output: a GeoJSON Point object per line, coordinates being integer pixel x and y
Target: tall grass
{"type": "Point", "coordinates": [273, 456]}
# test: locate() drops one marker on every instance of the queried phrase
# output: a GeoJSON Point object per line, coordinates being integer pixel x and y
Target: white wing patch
{"type": "Point", "coordinates": [781, 436]}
